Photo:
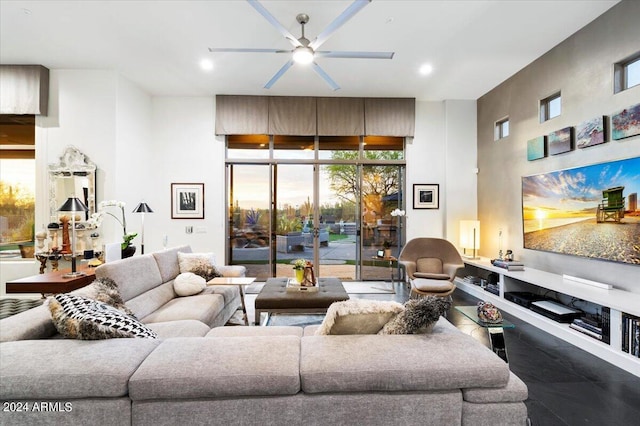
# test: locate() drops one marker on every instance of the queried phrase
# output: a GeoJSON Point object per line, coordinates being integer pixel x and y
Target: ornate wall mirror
{"type": "Point", "coordinates": [73, 176]}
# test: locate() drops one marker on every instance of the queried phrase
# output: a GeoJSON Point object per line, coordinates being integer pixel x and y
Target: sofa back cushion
{"type": "Point", "coordinates": [34, 323]}
{"type": "Point", "coordinates": [168, 262]}
{"type": "Point", "coordinates": [134, 275]}
{"type": "Point", "coordinates": [149, 302]}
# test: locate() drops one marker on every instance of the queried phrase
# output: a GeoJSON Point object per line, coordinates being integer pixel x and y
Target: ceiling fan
{"type": "Point", "coordinates": [305, 51]}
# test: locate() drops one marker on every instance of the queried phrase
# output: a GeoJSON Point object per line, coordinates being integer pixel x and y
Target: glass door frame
{"type": "Point", "coordinates": [360, 162]}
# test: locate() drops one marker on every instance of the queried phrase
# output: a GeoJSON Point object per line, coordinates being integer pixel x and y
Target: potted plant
{"type": "Point", "coordinates": [386, 245]}
{"type": "Point", "coordinates": [298, 267]}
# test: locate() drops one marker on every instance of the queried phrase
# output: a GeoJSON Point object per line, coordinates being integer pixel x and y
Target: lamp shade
{"type": "Point", "coordinates": [142, 208]}
{"type": "Point", "coordinates": [470, 234]}
{"type": "Point", "coordinates": [73, 204]}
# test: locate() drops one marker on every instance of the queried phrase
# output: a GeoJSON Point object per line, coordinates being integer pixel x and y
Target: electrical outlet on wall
{"type": "Point", "coordinates": [201, 229]}
{"type": "Point", "coordinates": [188, 229]}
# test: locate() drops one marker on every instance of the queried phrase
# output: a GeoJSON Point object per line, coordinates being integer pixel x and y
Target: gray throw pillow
{"type": "Point", "coordinates": [419, 316]}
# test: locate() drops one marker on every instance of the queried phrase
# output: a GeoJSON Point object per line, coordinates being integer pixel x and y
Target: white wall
{"type": "Point", "coordinates": [443, 152]}
{"type": "Point", "coordinates": [187, 151]}
{"type": "Point", "coordinates": [142, 144]}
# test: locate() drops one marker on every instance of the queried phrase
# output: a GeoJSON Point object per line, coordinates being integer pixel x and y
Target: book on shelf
{"type": "Point", "coordinates": [510, 265]}
{"type": "Point", "coordinates": [631, 334]}
{"type": "Point", "coordinates": [581, 323]}
{"type": "Point", "coordinates": [586, 331]}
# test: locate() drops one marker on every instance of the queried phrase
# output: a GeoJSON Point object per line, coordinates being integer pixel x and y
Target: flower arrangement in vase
{"type": "Point", "coordinates": [95, 221]}
{"type": "Point", "coordinates": [298, 267]}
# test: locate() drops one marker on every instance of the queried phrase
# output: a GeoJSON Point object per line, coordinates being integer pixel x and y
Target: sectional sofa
{"type": "Point", "coordinates": [199, 373]}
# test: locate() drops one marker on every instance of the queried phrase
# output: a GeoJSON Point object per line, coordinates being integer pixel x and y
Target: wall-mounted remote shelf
{"type": "Point", "coordinates": [545, 283]}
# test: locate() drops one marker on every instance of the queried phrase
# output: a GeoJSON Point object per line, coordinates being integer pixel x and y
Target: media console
{"type": "Point", "coordinates": [589, 298]}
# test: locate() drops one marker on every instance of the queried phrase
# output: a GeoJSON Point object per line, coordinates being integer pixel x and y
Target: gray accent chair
{"type": "Point", "coordinates": [431, 265]}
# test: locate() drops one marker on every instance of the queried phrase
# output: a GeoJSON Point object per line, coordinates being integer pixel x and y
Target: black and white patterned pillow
{"type": "Point", "coordinates": [78, 317]}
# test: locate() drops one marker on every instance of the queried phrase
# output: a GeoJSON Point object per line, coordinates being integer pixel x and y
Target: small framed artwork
{"type": "Point", "coordinates": [187, 201]}
{"type": "Point", "coordinates": [426, 196]}
{"type": "Point", "coordinates": [560, 141]}
{"type": "Point", "coordinates": [536, 148]}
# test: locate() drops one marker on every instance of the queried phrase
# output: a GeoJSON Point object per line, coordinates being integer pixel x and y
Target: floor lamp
{"type": "Point", "coordinates": [73, 205]}
{"type": "Point", "coordinates": [142, 208]}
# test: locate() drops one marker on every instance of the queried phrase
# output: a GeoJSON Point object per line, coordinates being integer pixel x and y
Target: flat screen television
{"type": "Point", "coordinates": [589, 211]}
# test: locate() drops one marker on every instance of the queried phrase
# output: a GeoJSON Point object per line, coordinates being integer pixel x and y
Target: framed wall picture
{"type": "Point", "coordinates": [187, 201]}
{"type": "Point", "coordinates": [426, 196]}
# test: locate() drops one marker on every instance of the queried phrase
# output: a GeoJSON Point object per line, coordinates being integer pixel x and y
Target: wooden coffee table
{"type": "Point", "coordinates": [274, 298]}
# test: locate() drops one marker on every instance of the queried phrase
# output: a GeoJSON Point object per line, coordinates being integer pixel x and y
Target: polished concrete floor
{"type": "Point", "coordinates": [567, 386]}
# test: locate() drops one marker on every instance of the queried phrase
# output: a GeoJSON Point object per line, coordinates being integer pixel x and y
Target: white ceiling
{"type": "Point", "coordinates": [472, 45]}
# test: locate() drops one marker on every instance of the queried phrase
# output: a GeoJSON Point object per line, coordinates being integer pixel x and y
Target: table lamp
{"type": "Point", "coordinates": [470, 237]}
{"type": "Point", "coordinates": [73, 205]}
{"type": "Point", "coordinates": [142, 208]}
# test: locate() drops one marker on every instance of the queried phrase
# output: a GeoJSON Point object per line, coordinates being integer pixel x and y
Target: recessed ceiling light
{"type": "Point", "coordinates": [206, 64]}
{"type": "Point", "coordinates": [426, 69]}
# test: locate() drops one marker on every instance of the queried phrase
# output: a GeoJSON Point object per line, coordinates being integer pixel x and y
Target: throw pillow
{"type": "Point", "coordinates": [203, 264]}
{"type": "Point", "coordinates": [358, 316]}
{"type": "Point", "coordinates": [188, 284]}
{"type": "Point", "coordinates": [77, 317]}
{"type": "Point", "coordinates": [419, 316]}
{"type": "Point", "coordinates": [107, 292]}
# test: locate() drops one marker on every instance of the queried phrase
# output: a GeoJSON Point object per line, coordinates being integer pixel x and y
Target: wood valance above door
{"type": "Point", "coordinates": [310, 116]}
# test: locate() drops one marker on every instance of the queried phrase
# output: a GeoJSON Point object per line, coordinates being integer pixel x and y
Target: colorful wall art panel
{"type": "Point", "coordinates": [626, 123]}
{"type": "Point", "coordinates": [560, 141]}
{"type": "Point", "coordinates": [536, 148]}
{"type": "Point", "coordinates": [591, 132]}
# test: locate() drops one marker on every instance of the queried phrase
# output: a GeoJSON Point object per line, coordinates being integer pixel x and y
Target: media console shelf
{"type": "Point", "coordinates": [541, 282]}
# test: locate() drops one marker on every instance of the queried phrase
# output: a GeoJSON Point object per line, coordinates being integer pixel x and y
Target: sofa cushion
{"type": "Point", "coordinates": [514, 391]}
{"type": "Point", "coordinates": [201, 307]}
{"type": "Point", "coordinates": [152, 300]}
{"type": "Point", "coordinates": [219, 367]}
{"type": "Point", "coordinates": [78, 317]}
{"type": "Point", "coordinates": [188, 284]}
{"type": "Point", "coordinates": [68, 369]}
{"type": "Point", "coordinates": [414, 362]}
{"type": "Point", "coordinates": [167, 261]}
{"type": "Point", "coordinates": [419, 315]}
{"type": "Point", "coordinates": [228, 292]}
{"type": "Point", "coordinates": [31, 324]}
{"type": "Point", "coordinates": [285, 330]}
{"type": "Point", "coordinates": [179, 328]}
{"type": "Point", "coordinates": [358, 316]}
{"type": "Point", "coordinates": [203, 264]}
{"type": "Point", "coordinates": [134, 275]}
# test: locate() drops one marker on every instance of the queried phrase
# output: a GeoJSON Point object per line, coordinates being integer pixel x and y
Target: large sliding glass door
{"type": "Point", "coordinates": [324, 200]}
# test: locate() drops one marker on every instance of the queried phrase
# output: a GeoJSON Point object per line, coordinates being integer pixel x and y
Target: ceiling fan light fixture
{"type": "Point", "coordinates": [303, 55]}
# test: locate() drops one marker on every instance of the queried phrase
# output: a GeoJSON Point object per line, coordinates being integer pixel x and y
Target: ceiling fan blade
{"type": "Point", "coordinates": [279, 74]}
{"type": "Point", "coordinates": [358, 55]}
{"type": "Point", "coordinates": [348, 13]}
{"type": "Point", "coordinates": [273, 21]}
{"type": "Point", "coordinates": [233, 50]}
{"type": "Point", "coordinates": [325, 76]}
